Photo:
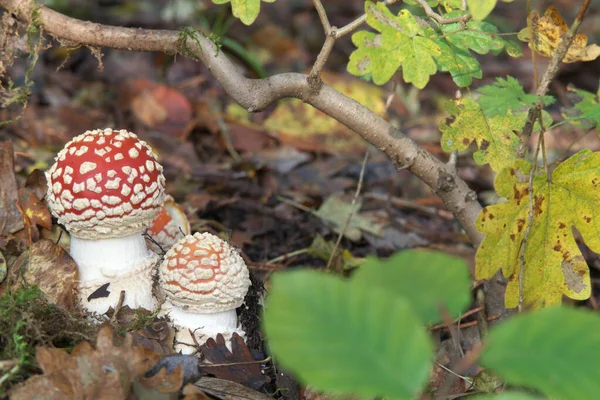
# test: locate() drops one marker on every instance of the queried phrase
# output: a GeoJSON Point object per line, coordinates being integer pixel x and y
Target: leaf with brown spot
{"type": "Point", "coordinates": [547, 32]}
{"type": "Point", "coordinates": [554, 265]}
{"type": "Point", "coordinates": [34, 211]}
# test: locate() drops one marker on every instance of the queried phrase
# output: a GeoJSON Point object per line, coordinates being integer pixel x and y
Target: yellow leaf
{"type": "Point", "coordinates": [547, 31]}
{"type": "Point", "coordinates": [304, 127]}
{"type": "Point", "coordinates": [554, 265]}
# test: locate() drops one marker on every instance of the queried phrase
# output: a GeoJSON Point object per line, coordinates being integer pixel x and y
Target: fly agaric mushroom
{"type": "Point", "coordinates": [106, 187]}
{"type": "Point", "coordinates": [204, 280]}
{"type": "Point", "coordinates": [168, 227]}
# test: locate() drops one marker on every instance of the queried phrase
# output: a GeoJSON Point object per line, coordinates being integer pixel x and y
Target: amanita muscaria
{"type": "Point", "coordinates": [106, 187]}
{"type": "Point", "coordinates": [169, 225]}
{"type": "Point", "coordinates": [204, 280]}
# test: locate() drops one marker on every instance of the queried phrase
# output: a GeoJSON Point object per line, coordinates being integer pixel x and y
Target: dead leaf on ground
{"type": "Point", "coordinates": [225, 389]}
{"type": "Point", "coordinates": [160, 107]}
{"type": "Point", "coordinates": [335, 211]}
{"type": "Point", "coordinates": [36, 182]}
{"type": "Point", "coordinates": [105, 372]}
{"type": "Point", "coordinates": [10, 218]}
{"type": "Point", "coordinates": [35, 213]}
{"type": "Point", "coordinates": [322, 249]}
{"type": "Point", "coordinates": [50, 267]}
{"type": "Point", "coordinates": [547, 32]}
{"type": "Point", "coordinates": [306, 128]}
{"type": "Point", "coordinates": [240, 366]}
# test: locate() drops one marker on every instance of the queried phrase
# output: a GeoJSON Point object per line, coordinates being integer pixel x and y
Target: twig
{"type": "Point", "coordinates": [549, 75]}
{"type": "Point", "coordinates": [352, 211]}
{"type": "Point", "coordinates": [224, 130]}
{"type": "Point", "coordinates": [266, 360]}
{"type": "Point", "coordinates": [113, 319]}
{"type": "Point", "coordinates": [287, 256]}
{"type": "Point", "coordinates": [432, 14]}
{"type": "Point", "coordinates": [529, 219]}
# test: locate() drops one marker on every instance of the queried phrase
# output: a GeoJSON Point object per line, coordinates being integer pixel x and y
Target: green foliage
{"type": "Point", "coordinates": [246, 10]}
{"type": "Point", "coordinates": [365, 336]}
{"type": "Point", "coordinates": [554, 265]}
{"type": "Point", "coordinates": [495, 136]}
{"type": "Point", "coordinates": [587, 108]}
{"type": "Point", "coordinates": [421, 51]}
{"type": "Point", "coordinates": [480, 9]}
{"type": "Point", "coordinates": [347, 337]}
{"type": "Point", "coordinates": [555, 351]}
{"type": "Point", "coordinates": [401, 43]}
{"type": "Point", "coordinates": [507, 95]}
{"type": "Point", "coordinates": [428, 280]}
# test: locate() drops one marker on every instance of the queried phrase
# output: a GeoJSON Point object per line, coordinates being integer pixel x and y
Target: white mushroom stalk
{"type": "Point", "coordinates": [204, 280]}
{"type": "Point", "coordinates": [106, 187]}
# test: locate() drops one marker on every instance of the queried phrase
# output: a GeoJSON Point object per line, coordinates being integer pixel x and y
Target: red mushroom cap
{"type": "Point", "coordinates": [205, 274]}
{"type": "Point", "coordinates": [105, 184]}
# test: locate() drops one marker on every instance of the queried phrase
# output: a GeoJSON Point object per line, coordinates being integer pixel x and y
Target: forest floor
{"type": "Point", "coordinates": [277, 184]}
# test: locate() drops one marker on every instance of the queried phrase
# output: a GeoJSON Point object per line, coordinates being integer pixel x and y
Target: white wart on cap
{"type": "Point", "coordinates": [204, 280]}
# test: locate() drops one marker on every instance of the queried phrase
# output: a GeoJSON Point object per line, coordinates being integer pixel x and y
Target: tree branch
{"type": "Point", "coordinates": [256, 94]}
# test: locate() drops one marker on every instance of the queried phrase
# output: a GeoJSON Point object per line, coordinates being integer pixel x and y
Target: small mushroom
{"type": "Point", "coordinates": [106, 187]}
{"type": "Point", "coordinates": [169, 225]}
{"type": "Point", "coordinates": [204, 280]}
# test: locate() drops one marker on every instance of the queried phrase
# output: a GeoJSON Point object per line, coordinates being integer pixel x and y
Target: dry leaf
{"type": "Point", "coordinates": [239, 365]}
{"type": "Point", "coordinates": [50, 267]}
{"type": "Point", "coordinates": [10, 217]}
{"type": "Point", "coordinates": [547, 32]}
{"type": "Point", "coordinates": [106, 372]}
{"type": "Point", "coordinates": [34, 212]}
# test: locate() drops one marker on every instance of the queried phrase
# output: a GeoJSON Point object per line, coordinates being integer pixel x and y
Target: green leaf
{"type": "Point", "coordinates": [346, 337]}
{"type": "Point", "coordinates": [587, 107]}
{"type": "Point", "coordinates": [426, 279]}
{"type": "Point", "coordinates": [400, 44]}
{"type": "Point", "coordinates": [461, 64]}
{"type": "Point", "coordinates": [507, 396]}
{"type": "Point", "coordinates": [246, 10]}
{"type": "Point", "coordinates": [555, 265]}
{"type": "Point", "coordinates": [494, 136]}
{"type": "Point", "coordinates": [480, 9]}
{"type": "Point", "coordinates": [555, 351]}
{"type": "Point", "coordinates": [481, 37]}
{"type": "Point", "coordinates": [507, 94]}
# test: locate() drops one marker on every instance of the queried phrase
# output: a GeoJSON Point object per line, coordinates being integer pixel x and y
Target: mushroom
{"type": "Point", "coordinates": [204, 280]}
{"type": "Point", "coordinates": [106, 187]}
{"type": "Point", "coordinates": [168, 227]}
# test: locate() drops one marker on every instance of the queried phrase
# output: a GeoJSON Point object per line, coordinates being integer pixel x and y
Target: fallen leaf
{"type": "Point", "coordinates": [10, 218]}
{"type": "Point", "coordinates": [34, 211]}
{"type": "Point", "coordinates": [3, 270]}
{"type": "Point", "coordinates": [224, 389]}
{"type": "Point", "coordinates": [306, 128]}
{"type": "Point", "coordinates": [48, 266]}
{"type": "Point", "coordinates": [160, 107]}
{"type": "Point", "coordinates": [547, 32]}
{"type": "Point", "coordinates": [240, 366]}
{"type": "Point", "coordinates": [335, 211]}
{"type": "Point", "coordinates": [105, 372]}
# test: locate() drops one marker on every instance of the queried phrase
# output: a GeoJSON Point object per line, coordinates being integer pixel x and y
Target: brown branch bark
{"type": "Point", "coordinates": [256, 94]}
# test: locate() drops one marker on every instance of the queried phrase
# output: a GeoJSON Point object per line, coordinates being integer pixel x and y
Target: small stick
{"type": "Point", "coordinates": [352, 210]}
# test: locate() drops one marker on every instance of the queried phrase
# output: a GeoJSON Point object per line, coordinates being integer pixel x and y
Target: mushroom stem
{"type": "Point", "coordinates": [108, 258]}
{"type": "Point", "coordinates": [204, 326]}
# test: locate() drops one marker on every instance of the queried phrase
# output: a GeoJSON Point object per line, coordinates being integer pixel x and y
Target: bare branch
{"type": "Point", "coordinates": [256, 94]}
